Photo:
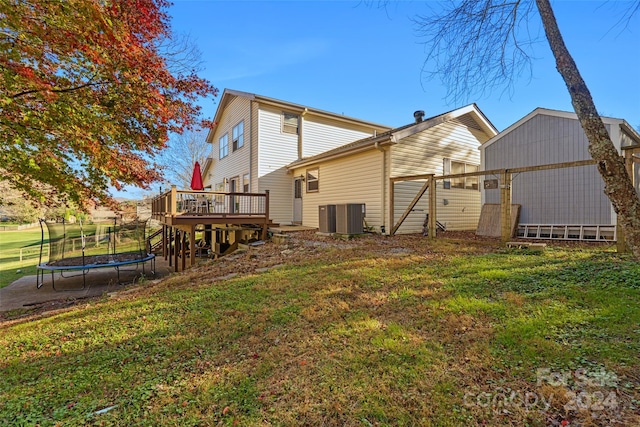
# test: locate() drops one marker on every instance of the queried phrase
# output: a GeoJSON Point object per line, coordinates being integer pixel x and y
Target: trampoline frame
{"type": "Point", "coordinates": [84, 269]}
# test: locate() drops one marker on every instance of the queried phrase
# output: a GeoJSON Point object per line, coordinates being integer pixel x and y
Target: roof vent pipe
{"type": "Point", "coordinates": [418, 115]}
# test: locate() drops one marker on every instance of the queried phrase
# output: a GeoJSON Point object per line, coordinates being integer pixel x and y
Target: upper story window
{"type": "Point", "coordinates": [452, 167]}
{"type": "Point", "coordinates": [224, 146]}
{"type": "Point", "coordinates": [290, 122]}
{"type": "Point", "coordinates": [313, 180]}
{"type": "Point", "coordinates": [237, 134]}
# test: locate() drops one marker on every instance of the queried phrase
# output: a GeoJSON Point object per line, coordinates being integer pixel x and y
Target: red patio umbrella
{"type": "Point", "coordinates": [196, 178]}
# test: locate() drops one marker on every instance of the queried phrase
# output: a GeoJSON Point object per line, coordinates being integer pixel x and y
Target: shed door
{"type": "Point", "coordinates": [297, 201]}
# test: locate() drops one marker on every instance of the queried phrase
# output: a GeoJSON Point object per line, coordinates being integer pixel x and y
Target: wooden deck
{"type": "Point", "coordinates": [181, 211]}
{"type": "Point", "coordinates": [187, 207]}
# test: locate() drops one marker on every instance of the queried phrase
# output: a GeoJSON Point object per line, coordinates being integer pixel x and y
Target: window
{"type": "Point", "coordinates": [452, 167]}
{"type": "Point", "coordinates": [456, 168]}
{"type": "Point", "coordinates": [245, 183]}
{"type": "Point", "coordinates": [290, 123]}
{"type": "Point", "coordinates": [313, 180]}
{"type": "Point", "coordinates": [237, 134]}
{"type": "Point", "coordinates": [471, 182]}
{"type": "Point", "coordinates": [224, 146]}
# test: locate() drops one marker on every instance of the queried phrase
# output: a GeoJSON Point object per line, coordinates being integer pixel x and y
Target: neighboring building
{"type": "Point", "coordinates": [572, 200]}
{"type": "Point", "coordinates": [360, 172]}
{"type": "Point", "coordinates": [254, 138]}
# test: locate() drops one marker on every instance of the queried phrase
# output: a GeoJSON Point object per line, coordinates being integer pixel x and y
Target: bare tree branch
{"type": "Point", "coordinates": [182, 153]}
{"type": "Point", "coordinates": [475, 47]}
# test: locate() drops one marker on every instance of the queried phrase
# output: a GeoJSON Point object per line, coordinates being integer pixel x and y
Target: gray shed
{"type": "Point", "coordinates": [564, 203]}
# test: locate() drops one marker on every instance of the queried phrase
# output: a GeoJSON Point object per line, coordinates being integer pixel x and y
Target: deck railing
{"type": "Point", "coordinates": [210, 203]}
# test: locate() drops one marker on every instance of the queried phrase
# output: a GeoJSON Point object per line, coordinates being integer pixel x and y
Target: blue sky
{"type": "Point", "coordinates": [365, 62]}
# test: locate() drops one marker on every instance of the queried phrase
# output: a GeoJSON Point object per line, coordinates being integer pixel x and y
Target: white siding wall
{"type": "Point", "coordinates": [424, 153]}
{"type": "Point", "coordinates": [276, 150]}
{"type": "Point", "coordinates": [280, 186]}
{"type": "Point", "coordinates": [236, 163]}
{"type": "Point", "coordinates": [320, 135]}
{"type": "Point", "coordinates": [353, 179]}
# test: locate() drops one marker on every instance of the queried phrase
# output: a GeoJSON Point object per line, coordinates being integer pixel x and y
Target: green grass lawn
{"type": "Point", "coordinates": [397, 333]}
{"type": "Point", "coordinates": [11, 267]}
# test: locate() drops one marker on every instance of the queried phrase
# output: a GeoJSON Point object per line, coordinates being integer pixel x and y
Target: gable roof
{"type": "Point", "coordinates": [469, 115]}
{"type": "Point", "coordinates": [562, 114]}
{"type": "Point", "coordinates": [229, 94]}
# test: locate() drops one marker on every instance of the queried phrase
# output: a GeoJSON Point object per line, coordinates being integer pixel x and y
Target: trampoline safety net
{"type": "Point", "coordinates": [99, 243]}
{"type": "Point", "coordinates": [78, 247]}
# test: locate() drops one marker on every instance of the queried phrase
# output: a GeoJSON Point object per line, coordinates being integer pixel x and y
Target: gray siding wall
{"type": "Point", "coordinates": [560, 196]}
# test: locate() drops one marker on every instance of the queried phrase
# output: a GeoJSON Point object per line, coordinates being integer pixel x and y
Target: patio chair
{"type": "Point", "coordinates": [201, 204]}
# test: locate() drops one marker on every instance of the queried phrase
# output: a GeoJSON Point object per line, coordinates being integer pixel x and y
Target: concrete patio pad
{"type": "Point", "coordinates": [24, 294]}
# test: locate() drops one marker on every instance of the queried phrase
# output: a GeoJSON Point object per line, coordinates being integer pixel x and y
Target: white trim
{"type": "Point", "coordinates": [546, 112]}
{"type": "Point", "coordinates": [434, 121]}
{"type": "Point", "coordinates": [228, 94]}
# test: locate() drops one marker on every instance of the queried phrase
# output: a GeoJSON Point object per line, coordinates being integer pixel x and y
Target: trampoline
{"type": "Point", "coordinates": [76, 250]}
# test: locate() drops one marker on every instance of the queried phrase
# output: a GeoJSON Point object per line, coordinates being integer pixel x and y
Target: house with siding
{"type": "Point", "coordinates": [362, 172]}
{"type": "Point", "coordinates": [566, 203]}
{"type": "Point", "coordinates": [254, 138]}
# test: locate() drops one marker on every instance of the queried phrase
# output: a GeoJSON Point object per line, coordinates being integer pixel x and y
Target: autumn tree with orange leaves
{"type": "Point", "coordinates": [89, 94]}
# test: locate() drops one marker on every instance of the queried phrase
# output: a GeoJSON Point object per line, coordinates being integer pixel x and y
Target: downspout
{"type": "Point", "coordinates": [251, 171]}
{"type": "Point", "coordinates": [300, 127]}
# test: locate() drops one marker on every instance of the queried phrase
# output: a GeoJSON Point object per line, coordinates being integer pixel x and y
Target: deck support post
{"type": "Point", "coordinates": [392, 204]}
{"type": "Point", "coordinates": [183, 249]}
{"type": "Point", "coordinates": [176, 248]}
{"type": "Point", "coordinates": [192, 246]}
{"type": "Point", "coordinates": [164, 241]}
{"type": "Point", "coordinates": [170, 244]}
{"type": "Point", "coordinates": [265, 226]}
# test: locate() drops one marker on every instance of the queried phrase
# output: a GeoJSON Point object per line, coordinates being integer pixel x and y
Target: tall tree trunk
{"type": "Point", "coordinates": [617, 183]}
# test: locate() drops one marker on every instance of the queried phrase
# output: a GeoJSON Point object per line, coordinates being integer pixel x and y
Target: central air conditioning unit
{"type": "Point", "coordinates": [327, 218]}
{"type": "Point", "coordinates": [349, 218]}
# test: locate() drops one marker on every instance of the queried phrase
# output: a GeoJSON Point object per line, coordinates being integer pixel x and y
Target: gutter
{"type": "Point", "coordinates": [320, 158]}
